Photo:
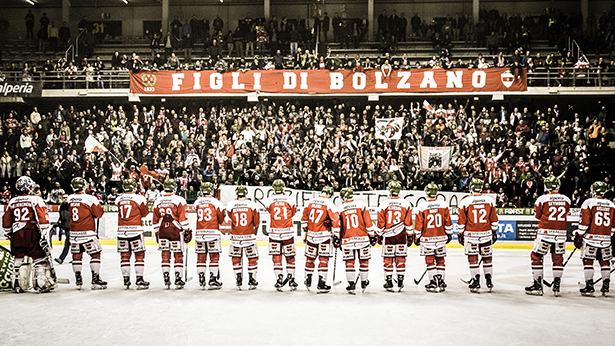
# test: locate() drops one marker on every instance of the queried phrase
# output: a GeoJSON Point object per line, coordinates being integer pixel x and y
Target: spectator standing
{"type": "Point", "coordinates": [29, 25]}
{"type": "Point", "coordinates": [326, 22]}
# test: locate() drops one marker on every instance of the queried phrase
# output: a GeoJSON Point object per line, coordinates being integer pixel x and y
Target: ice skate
{"type": "Point", "coordinates": [351, 287]}
{"type": "Point", "coordinates": [202, 281]}
{"type": "Point", "coordinates": [588, 290]}
{"type": "Point", "coordinates": [322, 285]}
{"type": "Point", "coordinates": [432, 286]}
{"type": "Point", "coordinates": [605, 287]}
{"type": "Point", "coordinates": [556, 284]}
{"type": "Point", "coordinates": [78, 280]}
{"type": "Point", "coordinates": [489, 282]}
{"type": "Point", "coordinates": [179, 283]}
{"type": "Point", "coordinates": [279, 283]}
{"type": "Point", "coordinates": [400, 282]}
{"type": "Point", "coordinates": [142, 284]}
{"type": "Point", "coordinates": [440, 282]}
{"type": "Point", "coordinates": [252, 282]}
{"type": "Point", "coordinates": [388, 283]}
{"type": "Point", "coordinates": [364, 285]}
{"type": "Point", "coordinates": [167, 280]}
{"type": "Point", "coordinates": [308, 281]}
{"type": "Point", "coordinates": [536, 288]}
{"type": "Point", "coordinates": [239, 280]}
{"type": "Point", "coordinates": [292, 283]}
{"type": "Point", "coordinates": [474, 285]}
{"type": "Point", "coordinates": [97, 282]}
{"type": "Point", "coordinates": [214, 284]}
{"type": "Point", "coordinates": [127, 282]}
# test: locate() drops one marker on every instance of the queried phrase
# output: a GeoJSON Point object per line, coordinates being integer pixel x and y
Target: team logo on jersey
{"type": "Point", "coordinates": [148, 79]}
{"type": "Point", "coordinates": [507, 79]}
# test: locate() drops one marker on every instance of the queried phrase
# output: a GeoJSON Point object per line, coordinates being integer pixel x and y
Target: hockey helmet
{"type": "Point", "coordinates": [169, 185]}
{"type": "Point", "coordinates": [24, 184]}
{"type": "Point", "coordinates": [599, 188]}
{"type": "Point", "coordinates": [129, 185]}
{"type": "Point", "coordinates": [551, 183]}
{"type": "Point", "coordinates": [78, 184]}
{"type": "Point", "coordinates": [476, 185]}
{"type": "Point", "coordinates": [346, 193]}
{"type": "Point", "coordinates": [207, 188]}
{"type": "Point", "coordinates": [394, 188]}
{"type": "Point", "coordinates": [241, 191]}
{"type": "Point", "coordinates": [431, 190]}
{"type": "Point", "coordinates": [327, 190]}
{"type": "Point", "coordinates": [278, 186]}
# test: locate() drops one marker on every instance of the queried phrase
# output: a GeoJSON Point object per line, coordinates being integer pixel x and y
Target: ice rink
{"type": "Point", "coordinates": [157, 316]}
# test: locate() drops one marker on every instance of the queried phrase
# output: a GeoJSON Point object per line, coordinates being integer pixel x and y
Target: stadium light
{"type": "Point", "coordinates": [30, 2]}
{"type": "Point", "coordinates": [125, 1]}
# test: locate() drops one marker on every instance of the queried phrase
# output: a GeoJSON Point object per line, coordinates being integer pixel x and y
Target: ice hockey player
{"type": "Point", "coordinates": [83, 210]}
{"type": "Point", "coordinates": [433, 230]}
{"type": "Point", "coordinates": [551, 209]}
{"type": "Point", "coordinates": [477, 225]}
{"type": "Point", "coordinates": [395, 226]}
{"type": "Point", "coordinates": [171, 227]}
{"type": "Point", "coordinates": [209, 215]}
{"type": "Point", "coordinates": [281, 210]}
{"type": "Point", "coordinates": [132, 208]}
{"type": "Point", "coordinates": [318, 222]}
{"type": "Point", "coordinates": [244, 222]}
{"type": "Point", "coordinates": [356, 235]}
{"type": "Point", "coordinates": [26, 224]}
{"type": "Point", "coordinates": [594, 237]}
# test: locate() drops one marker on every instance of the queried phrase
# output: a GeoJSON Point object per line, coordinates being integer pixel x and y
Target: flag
{"type": "Point", "coordinates": [147, 173]}
{"type": "Point", "coordinates": [93, 145]}
{"type": "Point", "coordinates": [435, 158]}
{"type": "Point", "coordinates": [427, 106]}
{"type": "Point", "coordinates": [389, 128]}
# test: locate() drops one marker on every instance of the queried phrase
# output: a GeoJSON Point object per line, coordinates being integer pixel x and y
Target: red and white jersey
{"type": "Point", "coordinates": [171, 204]}
{"type": "Point", "coordinates": [355, 224]}
{"type": "Point", "coordinates": [596, 222]}
{"type": "Point", "coordinates": [394, 217]}
{"type": "Point", "coordinates": [244, 220]}
{"type": "Point", "coordinates": [24, 212]}
{"type": "Point", "coordinates": [131, 209]}
{"type": "Point", "coordinates": [209, 215]}
{"type": "Point", "coordinates": [433, 223]}
{"type": "Point", "coordinates": [552, 211]}
{"type": "Point", "coordinates": [281, 210]}
{"type": "Point", "coordinates": [314, 215]}
{"type": "Point", "coordinates": [83, 210]}
{"type": "Point", "coordinates": [478, 218]}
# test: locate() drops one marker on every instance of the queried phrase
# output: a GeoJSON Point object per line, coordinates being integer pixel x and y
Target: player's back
{"type": "Point", "coordinates": [132, 208]}
{"type": "Point", "coordinates": [394, 216]}
{"type": "Point", "coordinates": [317, 212]}
{"type": "Point", "coordinates": [354, 219]}
{"type": "Point", "coordinates": [281, 209]}
{"type": "Point", "coordinates": [24, 212]}
{"type": "Point", "coordinates": [552, 211]}
{"type": "Point", "coordinates": [477, 213]}
{"type": "Point", "coordinates": [597, 218]}
{"type": "Point", "coordinates": [433, 219]}
{"type": "Point", "coordinates": [173, 205]}
{"type": "Point", "coordinates": [209, 213]}
{"type": "Point", "coordinates": [244, 216]}
{"type": "Point", "coordinates": [83, 210]}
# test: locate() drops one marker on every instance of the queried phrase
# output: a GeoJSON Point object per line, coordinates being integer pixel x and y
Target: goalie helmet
{"type": "Point", "coordinates": [346, 193]}
{"type": "Point", "coordinates": [551, 183]}
{"type": "Point", "coordinates": [278, 186]}
{"type": "Point", "coordinates": [129, 185]}
{"type": "Point", "coordinates": [207, 188]}
{"type": "Point", "coordinates": [78, 184]}
{"type": "Point", "coordinates": [431, 190]}
{"type": "Point", "coordinates": [327, 190]}
{"type": "Point", "coordinates": [476, 185]}
{"type": "Point", "coordinates": [241, 191]}
{"type": "Point", "coordinates": [169, 185]}
{"type": "Point", "coordinates": [599, 188]}
{"type": "Point", "coordinates": [394, 188]}
{"type": "Point", "coordinates": [25, 184]}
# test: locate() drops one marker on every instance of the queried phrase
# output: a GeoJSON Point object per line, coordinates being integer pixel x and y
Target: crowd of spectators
{"type": "Point", "coordinates": [308, 146]}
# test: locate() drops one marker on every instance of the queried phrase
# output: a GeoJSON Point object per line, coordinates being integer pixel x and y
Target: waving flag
{"type": "Point", "coordinates": [435, 158]}
{"type": "Point", "coordinates": [427, 106]}
{"type": "Point", "coordinates": [389, 128]}
{"type": "Point", "coordinates": [93, 145]}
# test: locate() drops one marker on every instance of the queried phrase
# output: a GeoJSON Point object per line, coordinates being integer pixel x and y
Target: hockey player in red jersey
{"type": "Point", "coordinates": [319, 219]}
{"type": "Point", "coordinates": [132, 208]}
{"type": "Point", "coordinates": [356, 235]}
{"type": "Point", "coordinates": [25, 222]}
{"type": "Point", "coordinates": [83, 210]}
{"type": "Point", "coordinates": [593, 237]}
{"type": "Point", "coordinates": [477, 225]}
{"type": "Point", "coordinates": [244, 222]}
{"type": "Point", "coordinates": [551, 209]}
{"type": "Point", "coordinates": [172, 232]}
{"type": "Point", "coordinates": [209, 215]}
{"type": "Point", "coordinates": [433, 230]}
{"type": "Point", "coordinates": [395, 226]}
{"type": "Point", "coordinates": [281, 210]}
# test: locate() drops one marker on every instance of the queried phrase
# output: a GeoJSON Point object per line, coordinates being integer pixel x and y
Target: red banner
{"type": "Point", "coordinates": [326, 82]}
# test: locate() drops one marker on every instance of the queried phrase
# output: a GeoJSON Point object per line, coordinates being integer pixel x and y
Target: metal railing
{"type": "Point", "coordinates": [570, 77]}
{"type": "Point", "coordinates": [70, 49]}
{"type": "Point", "coordinates": [77, 41]}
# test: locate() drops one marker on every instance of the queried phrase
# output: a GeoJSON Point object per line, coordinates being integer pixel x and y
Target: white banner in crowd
{"type": "Point", "coordinates": [389, 128]}
{"type": "Point", "coordinates": [435, 158]}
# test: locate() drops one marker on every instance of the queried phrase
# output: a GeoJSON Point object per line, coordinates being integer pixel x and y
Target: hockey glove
{"type": "Point", "coordinates": [578, 241]}
{"type": "Point", "coordinates": [417, 241]}
{"type": "Point", "coordinates": [337, 242]}
{"type": "Point", "coordinates": [327, 223]}
{"type": "Point", "coordinates": [448, 238]}
{"type": "Point", "coordinates": [494, 237]}
{"type": "Point", "coordinates": [410, 239]}
{"type": "Point", "coordinates": [187, 236]}
{"type": "Point", "coordinates": [460, 238]}
{"type": "Point", "coordinates": [373, 240]}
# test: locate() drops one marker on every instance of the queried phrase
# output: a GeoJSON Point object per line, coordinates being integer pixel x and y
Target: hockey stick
{"type": "Point", "coordinates": [416, 282]}
{"type": "Point", "coordinates": [468, 282]}
{"type": "Point", "coordinates": [186, 278]}
{"type": "Point", "coordinates": [335, 283]}
{"type": "Point", "coordinates": [549, 284]}
{"type": "Point", "coordinates": [47, 249]}
{"type": "Point", "coordinates": [597, 281]}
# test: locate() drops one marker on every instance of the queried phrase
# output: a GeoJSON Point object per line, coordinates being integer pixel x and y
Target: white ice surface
{"type": "Point", "coordinates": [266, 317]}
